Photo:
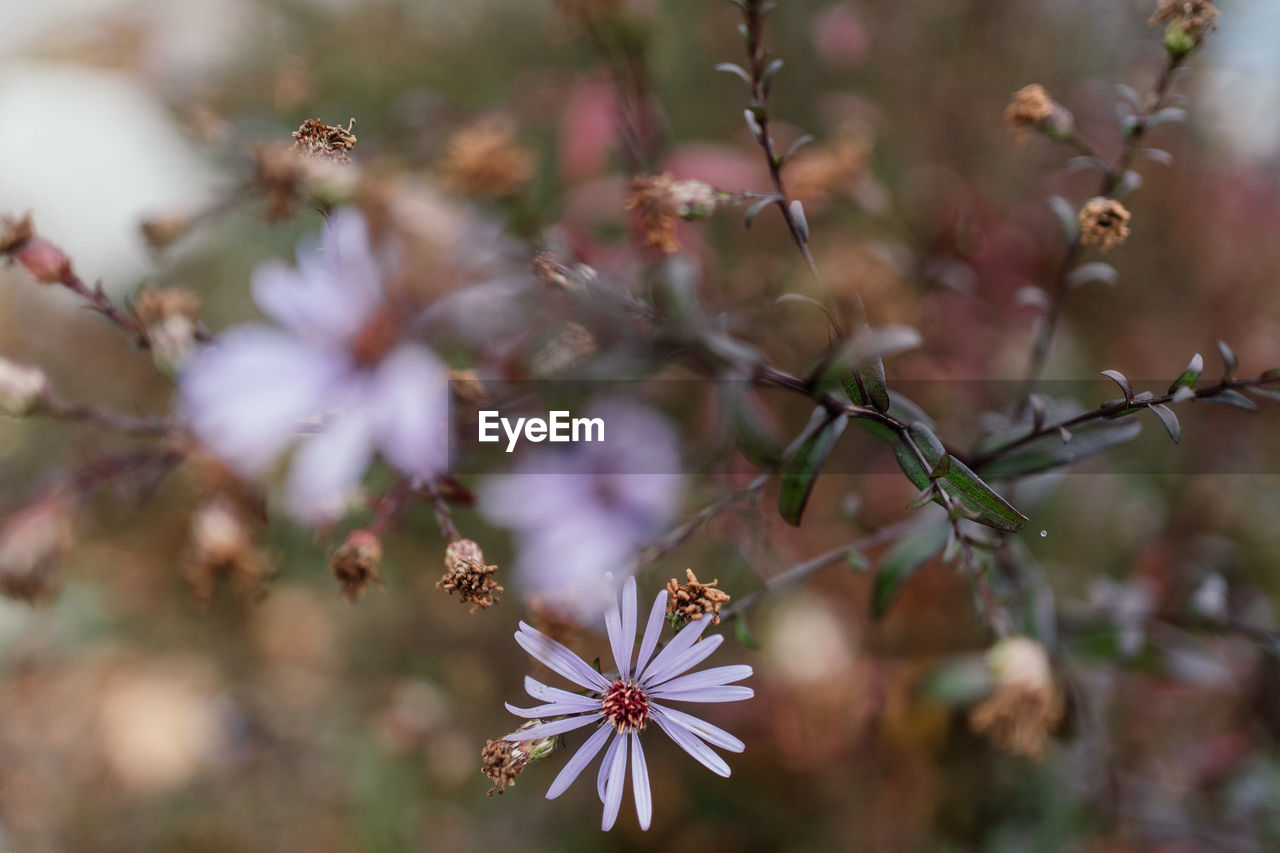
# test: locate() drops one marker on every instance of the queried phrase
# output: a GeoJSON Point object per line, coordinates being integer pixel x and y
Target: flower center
{"type": "Point", "coordinates": [626, 707]}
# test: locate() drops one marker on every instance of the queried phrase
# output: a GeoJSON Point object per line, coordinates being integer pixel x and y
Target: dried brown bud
{"type": "Point", "coordinates": [689, 601]}
{"type": "Point", "coordinates": [221, 546]}
{"type": "Point", "coordinates": [13, 233]}
{"type": "Point", "coordinates": [168, 318]}
{"type": "Point", "coordinates": [355, 563]}
{"type": "Point", "coordinates": [1103, 222]}
{"type": "Point", "coordinates": [484, 160]}
{"type": "Point", "coordinates": [503, 760]}
{"type": "Point", "coordinates": [1025, 706]}
{"type": "Point", "coordinates": [33, 542]}
{"type": "Point", "coordinates": [1033, 109]}
{"type": "Point", "coordinates": [328, 142]}
{"type": "Point", "coordinates": [662, 200]}
{"type": "Point", "coordinates": [162, 231]}
{"type": "Point", "coordinates": [467, 575]}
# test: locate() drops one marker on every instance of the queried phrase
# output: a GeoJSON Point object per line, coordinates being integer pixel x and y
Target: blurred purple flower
{"type": "Point", "coordinates": [581, 513]}
{"type": "Point", "coordinates": [336, 367]}
{"type": "Point", "coordinates": [625, 705]}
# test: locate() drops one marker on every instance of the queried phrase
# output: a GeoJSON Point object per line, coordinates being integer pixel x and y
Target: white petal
{"type": "Point", "coordinates": [691, 744]}
{"type": "Point", "coordinates": [574, 766]}
{"type": "Point", "coordinates": [411, 411]}
{"type": "Point", "coordinates": [613, 789]}
{"type": "Point", "coordinates": [717, 736]}
{"type": "Point", "coordinates": [560, 658]}
{"type": "Point", "coordinates": [554, 709]}
{"type": "Point", "coordinates": [246, 395]}
{"type": "Point", "coordinates": [538, 690]}
{"type": "Point", "coordinates": [555, 727]}
{"type": "Point", "coordinates": [707, 694]}
{"type": "Point", "coordinates": [661, 668]}
{"type": "Point", "coordinates": [640, 783]}
{"type": "Point", "coordinates": [652, 630]}
{"type": "Point", "coordinates": [717, 676]}
{"type": "Point", "coordinates": [689, 658]}
{"type": "Point", "coordinates": [328, 467]}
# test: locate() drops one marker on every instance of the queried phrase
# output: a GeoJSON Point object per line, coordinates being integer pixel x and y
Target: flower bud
{"type": "Point", "coordinates": [46, 262]}
{"type": "Point", "coordinates": [355, 563]}
{"type": "Point", "coordinates": [22, 388]}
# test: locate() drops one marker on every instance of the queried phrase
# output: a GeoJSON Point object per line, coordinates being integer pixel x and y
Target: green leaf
{"type": "Point", "coordinates": [1096, 271]}
{"type": "Point", "coordinates": [1268, 393]}
{"type": "Point", "coordinates": [863, 349]}
{"type": "Point", "coordinates": [1168, 115]}
{"type": "Point", "coordinates": [743, 632]}
{"type": "Point", "coordinates": [1068, 217]}
{"type": "Point", "coordinates": [755, 441]}
{"type": "Point", "coordinates": [1047, 452]}
{"type": "Point", "coordinates": [958, 481]}
{"type": "Point", "coordinates": [1229, 361]}
{"type": "Point", "coordinates": [801, 468]}
{"type": "Point", "coordinates": [904, 560]}
{"type": "Point", "coordinates": [1231, 398]}
{"type": "Point", "coordinates": [1189, 376]}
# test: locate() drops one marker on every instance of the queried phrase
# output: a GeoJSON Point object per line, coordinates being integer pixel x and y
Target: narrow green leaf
{"type": "Point", "coordinates": [1051, 451]}
{"type": "Point", "coordinates": [910, 553]}
{"type": "Point", "coordinates": [735, 70]}
{"type": "Point", "coordinates": [1168, 115]}
{"type": "Point", "coordinates": [754, 210]}
{"type": "Point", "coordinates": [1231, 398]}
{"type": "Point", "coordinates": [1229, 360]}
{"type": "Point", "coordinates": [743, 632]}
{"type": "Point", "coordinates": [1121, 380]}
{"type": "Point", "coordinates": [1067, 215]}
{"type": "Point", "coordinates": [801, 468]}
{"type": "Point", "coordinates": [1096, 271]}
{"type": "Point", "coordinates": [1189, 376]}
{"type": "Point", "coordinates": [959, 482]}
{"type": "Point", "coordinates": [1268, 393]}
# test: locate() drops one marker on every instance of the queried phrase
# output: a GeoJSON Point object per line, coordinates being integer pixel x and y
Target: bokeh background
{"type": "Point", "coordinates": [136, 716]}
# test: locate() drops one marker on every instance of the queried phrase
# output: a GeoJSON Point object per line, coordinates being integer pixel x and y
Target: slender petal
{"type": "Point", "coordinates": [629, 619]}
{"type": "Point", "coordinates": [538, 690]}
{"type": "Point", "coordinates": [717, 676]}
{"type": "Point", "coordinates": [689, 659]}
{"type": "Point", "coordinates": [706, 694]}
{"type": "Point", "coordinates": [618, 642]}
{"type": "Point", "coordinates": [328, 468]}
{"type": "Point", "coordinates": [640, 783]}
{"type": "Point", "coordinates": [690, 743]}
{"type": "Point", "coordinates": [555, 727]}
{"type": "Point", "coordinates": [410, 409]}
{"type": "Point", "coordinates": [661, 669]}
{"type": "Point", "coordinates": [602, 776]}
{"type": "Point", "coordinates": [652, 630]}
{"type": "Point", "coordinates": [613, 789]}
{"type": "Point", "coordinates": [559, 658]}
{"type": "Point", "coordinates": [553, 709]}
{"type": "Point", "coordinates": [716, 736]}
{"type": "Point", "coordinates": [575, 765]}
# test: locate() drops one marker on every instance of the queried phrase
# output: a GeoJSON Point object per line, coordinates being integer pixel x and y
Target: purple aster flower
{"type": "Point", "coordinates": [625, 705]}
{"type": "Point", "coordinates": [337, 367]}
{"type": "Point", "coordinates": [593, 505]}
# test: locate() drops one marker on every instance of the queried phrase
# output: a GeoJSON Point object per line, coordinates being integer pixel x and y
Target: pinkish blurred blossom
{"type": "Point", "coordinates": [335, 367]}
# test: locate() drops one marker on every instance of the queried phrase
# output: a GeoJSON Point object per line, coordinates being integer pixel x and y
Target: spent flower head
{"type": "Point", "coordinates": [1187, 22]}
{"type": "Point", "coordinates": [466, 574]}
{"type": "Point", "coordinates": [1104, 222]}
{"type": "Point", "coordinates": [661, 200]}
{"type": "Point", "coordinates": [620, 707]}
{"type": "Point", "coordinates": [1025, 705]}
{"type": "Point", "coordinates": [1033, 110]}
{"type": "Point", "coordinates": [687, 602]}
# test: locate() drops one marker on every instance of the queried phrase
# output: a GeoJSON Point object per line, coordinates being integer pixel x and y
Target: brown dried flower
{"type": "Point", "coordinates": [687, 602]}
{"type": "Point", "coordinates": [163, 230]}
{"type": "Point", "coordinates": [168, 318]}
{"type": "Point", "coordinates": [221, 546]}
{"type": "Point", "coordinates": [14, 233]}
{"type": "Point", "coordinates": [661, 200]}
{"type": "Point", "coordinates": [1103, 222]}
{"type": "Point", "coordinates": [1188, 22]}
{"type": "Point", "coordinates": [33, 542]}
{"type": "Point", "coordinates": [327, 142]}
{"type": "Point", "coordinates": [1025, 705]}
{"type": "Point", "coordinates": [503, 760]}
{"type": "Point", "coordinates": [1033, 110]}
{"type": "Point", "coordinates": [355, 563]}
{"type": "Point", "coordinates": [485, 161]}
{"type": "Point", "coordinates": [467, 575]}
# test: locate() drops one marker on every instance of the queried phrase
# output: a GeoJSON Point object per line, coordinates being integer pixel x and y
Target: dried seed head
{"type": "Point", "coordinates": [1033, 110]}
{"type": "Point", "coordinates": [221, 546]}
{"type": "Point", "coordinates": [485, 161]}
{"type": "Point", "coordinates": [13, 233]}
{"type": "Point", "coordinates": [467, 575]}
{"type": "Point", "coordinates": [33, 542]}
{"type": "Point", "coordinates": [661, 200]}
{"type": "Point", "coordinates": [355, 563]}
{"type": "Point", "coordinates": [503, 760]}
{"type": "Point", "coordinates": [162, 231]}
{"type": "Point", "coordinates": [22, 388]}
{"type": "Point", "coordinates": [1103, 222]}
{"type": "Point", "coordinates": [168, 318]}
{"type": "Point", "coordinates": [689, 601]}
{"type": "Point", "coordinates": [1188, 21]}
{"type": "Point", "coordinates": [327, 142]}
{"type": "Point", "coordinates": [1025, 705]}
